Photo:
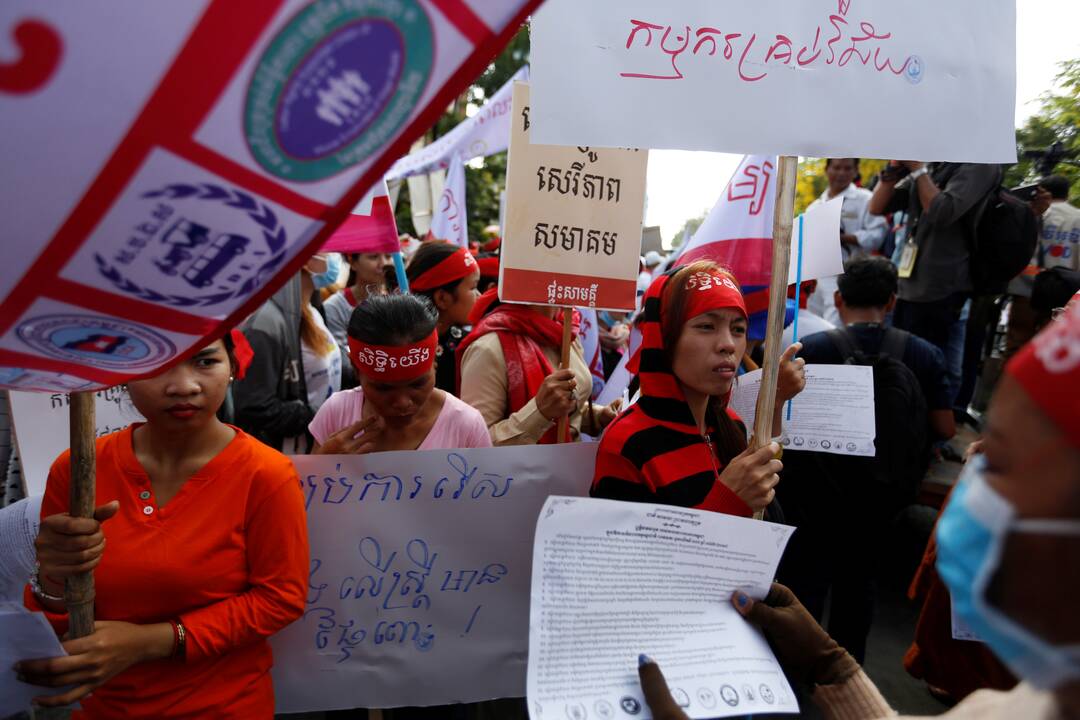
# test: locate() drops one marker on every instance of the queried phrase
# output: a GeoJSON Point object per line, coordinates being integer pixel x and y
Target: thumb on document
{"type": "Point", "coordinates": [657, 695]}
{"type": "Point", "coordinates": [804, 649]}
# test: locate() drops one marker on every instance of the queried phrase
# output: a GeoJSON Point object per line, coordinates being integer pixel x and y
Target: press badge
{"type": "Point", "coordinates": [907, 259]}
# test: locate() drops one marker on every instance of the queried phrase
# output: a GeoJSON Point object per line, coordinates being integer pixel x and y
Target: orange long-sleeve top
{"type": "Point", "coordinates": [228, 556]}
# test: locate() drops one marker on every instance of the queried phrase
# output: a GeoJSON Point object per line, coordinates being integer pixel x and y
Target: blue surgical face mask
{"type": "Point", "coordinates": [970, 539]}
{"type": "Point", "coordinates": [330, 275]}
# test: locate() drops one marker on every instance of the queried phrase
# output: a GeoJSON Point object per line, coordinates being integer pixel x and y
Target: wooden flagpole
{"type": "Point", "coordinates": [783, 218]}
{"type": "Point", "coordinates": [563, 432]}
{"type": "Point", "coordinates": [79, 589]}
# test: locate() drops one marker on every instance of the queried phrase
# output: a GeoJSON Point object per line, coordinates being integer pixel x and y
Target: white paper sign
{"type": "Point", "coordinates": [834, 413]}
{"type": "Point", "coordinates": [23, 636]}
{"type": "Point", "coordinates": [420, 567]}
{"type": "Point", "coordinates": [617, 384]}
{"type": "Point", "coordinates": [820, 243]}
{"type": "Point", "coordinates": [42, 428]}
{"type": "Point", "coordinates": [780, 77]}
{"type": "Point", "coordinates": [612, 580]}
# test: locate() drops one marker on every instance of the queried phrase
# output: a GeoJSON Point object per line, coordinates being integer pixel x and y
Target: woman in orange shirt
{"type": "Point", "coordinates": [207, 557]}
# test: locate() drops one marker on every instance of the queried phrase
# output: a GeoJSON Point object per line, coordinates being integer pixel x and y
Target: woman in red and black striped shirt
{"type": "Point", "coordinates": [680, 444]}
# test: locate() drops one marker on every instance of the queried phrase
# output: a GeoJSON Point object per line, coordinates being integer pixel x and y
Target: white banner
{"type": "Point", "coordinates": [920, 80]}
{"type": "Point", "coordinates": [420, 571]}
{"type": "Point", "coordinates": [450, 222]}
{"type": "Point", "coordinates": [42, 427]}
{"type": "Point", "coordinates": [485, 133]}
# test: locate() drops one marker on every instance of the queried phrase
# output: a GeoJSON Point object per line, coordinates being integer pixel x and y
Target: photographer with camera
{"type": "Point", "coordinates": [934, 272]}
{"type": "Point", "coordinates": [1054, 273]}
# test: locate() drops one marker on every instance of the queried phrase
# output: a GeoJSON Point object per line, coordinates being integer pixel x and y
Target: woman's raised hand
{"type": "Point", "coordinates": [791, 378]}
{"type": "Point", "coordinates": [356, 439]}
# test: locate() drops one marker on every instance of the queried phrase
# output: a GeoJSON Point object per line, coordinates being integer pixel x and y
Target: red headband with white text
{"type": "Point", "coordinates": [712, 291]}
{"type": "Point", "coordinates": [453, 267]}
{"type": "Point", "coordinates": [394, 363]}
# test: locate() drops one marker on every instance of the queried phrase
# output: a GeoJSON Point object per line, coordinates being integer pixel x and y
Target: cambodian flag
{"type": "Point", "coordinates": [737, 234]}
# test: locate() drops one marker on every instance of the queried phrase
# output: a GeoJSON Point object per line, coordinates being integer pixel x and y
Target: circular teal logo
{"type": "Point", "coordinates": [336, 84]}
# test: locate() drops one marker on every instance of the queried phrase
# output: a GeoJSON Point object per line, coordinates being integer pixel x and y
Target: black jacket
{"type": "Point", "coordinates": [271, 400]}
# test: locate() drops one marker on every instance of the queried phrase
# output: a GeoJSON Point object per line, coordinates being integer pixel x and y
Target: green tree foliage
{"type": "Point", "coordinates": [482, 184]}
{"type": "Point", "coordinates": [690, 226]}
{"type": "Point", "coordinates": [811, 180]}
{"type": "Point", "coordinates": [1058, 120]}
{"type": "Point", "coordinates": [809, 183]}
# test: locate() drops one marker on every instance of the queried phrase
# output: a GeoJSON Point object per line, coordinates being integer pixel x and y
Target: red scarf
{"type": "Point", "coordinates": [522, 334]}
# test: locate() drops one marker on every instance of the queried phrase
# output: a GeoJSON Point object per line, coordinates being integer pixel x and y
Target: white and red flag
{"type": "Point", "coordinates": [450, 220]}
{"type": "Point", "coordinates": [369, 228]}
{"type": "Point", "coordinates": [737, 234]}
{"type": "Point", "coordinates": [168, 165]}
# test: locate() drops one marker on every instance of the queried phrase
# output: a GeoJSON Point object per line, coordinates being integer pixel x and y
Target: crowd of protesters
{"type": "Point", "coordinates": [336, 365]}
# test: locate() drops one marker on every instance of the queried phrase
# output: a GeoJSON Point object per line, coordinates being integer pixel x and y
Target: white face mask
{"type": "Point", "coordinates": [971, 537]}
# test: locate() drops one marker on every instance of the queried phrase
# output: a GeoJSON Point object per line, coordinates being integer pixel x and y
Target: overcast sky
{"type": "Point", "coordinates": [1048, 31]}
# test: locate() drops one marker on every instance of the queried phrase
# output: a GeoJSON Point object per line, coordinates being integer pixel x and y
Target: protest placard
{"type": "Point", "coordinates": [612, 580]}
{"type": "Point", "coordinates": [168, 166]}
{"type": "Point", "coordinates": [834, 413]}
{"type": "Point", "coordinates": [420, 572]}
{"type": "Point", "coordinates": [42, 427]}
{"type": "Point", "coordinates": [573, 221]}
{"type": "Point", "coordinates": [779, 77]}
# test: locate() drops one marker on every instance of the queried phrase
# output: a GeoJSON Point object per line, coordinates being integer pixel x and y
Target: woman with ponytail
{"type": "Point", "coordinates": [681, 444]}
{"type": "Point", "coordinates": [446, 275]}
{"type": "Point", "coordinates": [297, 364]}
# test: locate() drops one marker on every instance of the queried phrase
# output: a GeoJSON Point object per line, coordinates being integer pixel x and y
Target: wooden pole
{"type": "Point", "coordinates": [563, 432]}
{"type": "Point", "coordinates": [781, 259]}
{"type": "Point", "coordinates": [79, 589]}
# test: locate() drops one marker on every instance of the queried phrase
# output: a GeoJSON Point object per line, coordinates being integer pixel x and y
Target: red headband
{"type": "Point", "coordinates": [712, 291]}
{"type": "Point", "coordinates": [394, 363]}
{"type": "Point", "coordinates": [489, 266]}
{"type": "Point", "coordinates": [454, 266]}
{"type": "Point", "coordinates": [1048, 368]}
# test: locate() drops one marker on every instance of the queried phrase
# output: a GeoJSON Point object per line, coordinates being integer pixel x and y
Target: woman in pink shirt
{"type": "Point", "coordinates": [392, 340]}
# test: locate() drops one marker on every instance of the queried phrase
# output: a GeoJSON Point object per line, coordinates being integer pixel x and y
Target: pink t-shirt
{"type": "Point", "coordinates": [458, 425]}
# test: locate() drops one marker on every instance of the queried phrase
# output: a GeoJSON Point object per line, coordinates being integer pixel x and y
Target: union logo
{"type": "Point", "coordinates": [336, 84]}
{"type": "Point", "coordinates": [179, 256]}
{"type": "Point", "coordinates": [101, 342]}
